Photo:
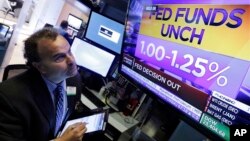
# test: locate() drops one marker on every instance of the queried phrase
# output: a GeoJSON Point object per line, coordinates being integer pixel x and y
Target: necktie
{"type": "Point", "coordinates": [59, 106]}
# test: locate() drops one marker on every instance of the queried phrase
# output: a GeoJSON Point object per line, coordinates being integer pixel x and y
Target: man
{"type": "Point", "coordinates": [63, 30]}
{"type": "Point", "coordinates": [28, 102]}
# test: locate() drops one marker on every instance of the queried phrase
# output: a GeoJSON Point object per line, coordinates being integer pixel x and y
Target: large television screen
{"type": "Point", "coordinates": [74, 22]}
{"type": "Point", "coordinates": [91, 57]}
{"type": "Point", "coordinates": [194, 56]}
{"type": "Point", "coordinates": [105, 31]}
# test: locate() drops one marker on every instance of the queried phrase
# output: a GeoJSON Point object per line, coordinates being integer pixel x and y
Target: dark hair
{"type": "Point", "coordinates": [31, 44]}
{"type": "Point", "coordinates": [64, 24]}
{"type": "Point", "coordinates": [48, 25]}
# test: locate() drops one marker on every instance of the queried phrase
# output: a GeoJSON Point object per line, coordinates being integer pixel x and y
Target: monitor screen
{"type": "Point", "coordinates": [105, 31]}
{"type": "Point", "coordinates": [4, 30]}
{"type": "Point", "coordinates": [91, 57]}
{"type": "Point", "coordinates": [194, 56]}
{"type": "Point", "coordinates": [74, 22]}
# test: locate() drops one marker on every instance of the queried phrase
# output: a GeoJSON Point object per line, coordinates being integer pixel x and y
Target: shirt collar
{"type": "Point", "coordinates": [52, 86]}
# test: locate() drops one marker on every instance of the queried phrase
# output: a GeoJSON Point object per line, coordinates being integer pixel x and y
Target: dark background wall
{"type": "Point", "coordinates": [115, 9]}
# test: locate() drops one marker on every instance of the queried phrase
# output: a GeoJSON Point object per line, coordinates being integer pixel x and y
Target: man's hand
{"type": "Point", "coordinates": [74, 132]}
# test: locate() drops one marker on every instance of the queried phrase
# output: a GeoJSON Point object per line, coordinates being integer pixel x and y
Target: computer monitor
{"type": "Point", "coordinates": [193, 56]}
{"type": "Point", "coordinates": [105, 31]}
{"type": "Point", "coordinates": [74, 22]}
{"type": "Point", "coordinates": [4, 29]}
{"type": "Point", "coordinates": [92, 57]}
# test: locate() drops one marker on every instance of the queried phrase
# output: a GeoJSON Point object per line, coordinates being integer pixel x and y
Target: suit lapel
{"type": "Point", "coordinates": [73, 96]}
{"type": "Point", "coordinates": [71, 102]}
{"type": "Point", "coordinates": [43, 99]}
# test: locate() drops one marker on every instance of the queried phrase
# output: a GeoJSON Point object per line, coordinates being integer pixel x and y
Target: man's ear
{"type": "Point", "coordinates": [39, 67]}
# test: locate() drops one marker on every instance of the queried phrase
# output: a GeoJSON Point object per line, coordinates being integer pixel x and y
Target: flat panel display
{"type": "Point", "coordinates": [92, 57]}
{"type": "Point", "coordinates": [74, 22]}
{"type": "Point", "coordinates": [195, 57]}
{"type": "Point", "coordinates": [4, 30]}
{"type": "Point", "coordinates": [105, 31]}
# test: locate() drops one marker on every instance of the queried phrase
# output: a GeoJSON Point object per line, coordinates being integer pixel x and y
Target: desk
{"type": "Point", "coordinates": [116, 120]}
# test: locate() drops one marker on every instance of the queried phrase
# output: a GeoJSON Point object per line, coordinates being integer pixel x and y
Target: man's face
{"type": "Point", "coordinates": [57, 62]}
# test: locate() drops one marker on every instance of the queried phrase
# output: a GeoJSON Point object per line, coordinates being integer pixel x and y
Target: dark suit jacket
{"type": "Point", "coordinates": [26, 108]}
